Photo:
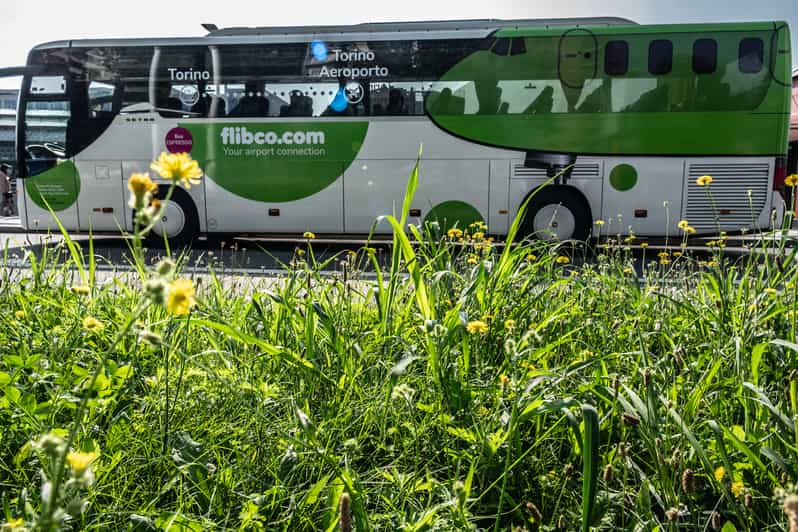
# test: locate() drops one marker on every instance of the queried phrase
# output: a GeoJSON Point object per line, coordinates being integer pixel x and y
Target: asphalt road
{"type": "Point", "coordinates": [266, 257]}
{"type": "Point", "coordinates": [251, 256]}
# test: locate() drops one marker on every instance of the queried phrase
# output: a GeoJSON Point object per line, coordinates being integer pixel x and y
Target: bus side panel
{"type": "Point", "coordinates": [451, 192]}
{"type": "Point", "coordinates": [229, 213]}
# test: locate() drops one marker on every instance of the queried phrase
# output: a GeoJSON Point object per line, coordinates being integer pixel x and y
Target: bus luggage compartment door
{"type": "Point", "coordinates": [102, 199]}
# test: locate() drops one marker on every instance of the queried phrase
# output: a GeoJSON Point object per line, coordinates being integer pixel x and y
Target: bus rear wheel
{"type": "Point", "coordinates": [179, 222]}
{"type": "Point", "coordinates": [557, 213]}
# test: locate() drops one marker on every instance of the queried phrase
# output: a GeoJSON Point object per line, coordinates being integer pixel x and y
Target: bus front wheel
{"type": "Point", "coordinates": [179, 221]}
{"type": "Point", "coordinates": [557, 213]}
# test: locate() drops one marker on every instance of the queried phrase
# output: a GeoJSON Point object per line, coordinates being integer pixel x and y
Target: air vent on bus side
{"type": "Point", "coordinates": [729, 189]}
{"type": "Point", "coordinates": [580, 171]}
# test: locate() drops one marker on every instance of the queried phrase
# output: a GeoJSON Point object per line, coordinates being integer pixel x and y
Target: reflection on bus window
{"type": "Point", "coordinates": [45, 134]}
{"type": "Point", "coordinates": [101, 99]}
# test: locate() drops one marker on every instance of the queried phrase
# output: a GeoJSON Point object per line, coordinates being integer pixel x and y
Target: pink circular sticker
{"type": "Point", "coordinates": [179, 140]}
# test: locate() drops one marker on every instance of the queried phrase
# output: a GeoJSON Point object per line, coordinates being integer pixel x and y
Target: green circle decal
{"type": "Point", "coordinates": [623, 177]}
{"type": "Point", "coordinates": [453, 213]}
{"type": "Point", "coordinates": [56, 188]}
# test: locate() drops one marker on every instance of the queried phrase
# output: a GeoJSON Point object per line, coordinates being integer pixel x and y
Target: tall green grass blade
{"type": "Point", "coordinates": [590, 464]}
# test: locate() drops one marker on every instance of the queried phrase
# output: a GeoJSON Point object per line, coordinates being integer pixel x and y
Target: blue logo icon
{"type": "Point", "coordinates": [319, 50]}
{"type": "Point", "coordinates": [340, 102]}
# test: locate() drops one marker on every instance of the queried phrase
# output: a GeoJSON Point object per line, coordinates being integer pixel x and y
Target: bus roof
{"type": "Point", "coordinates": [385, 31]}
{"type": "Point", "coordinates": [368, 31]}
{"type": "Point", "coordinates": [429, 26]}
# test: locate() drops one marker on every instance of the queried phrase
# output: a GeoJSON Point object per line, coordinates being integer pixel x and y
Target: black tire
{"type": "Point", "coordinates": [562, 197]}
{"type": "Point", "coordinates": [190, 227]}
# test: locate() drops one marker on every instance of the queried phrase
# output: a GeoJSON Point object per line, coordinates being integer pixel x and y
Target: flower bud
{"type": "Point", "coordinates": [165, 268]}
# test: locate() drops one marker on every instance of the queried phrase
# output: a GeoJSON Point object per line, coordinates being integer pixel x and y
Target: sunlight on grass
{"type": "Point", "coordinates": [468, 385]}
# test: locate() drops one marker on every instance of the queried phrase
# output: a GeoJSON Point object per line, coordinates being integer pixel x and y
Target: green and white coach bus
{"type": "Point", "coordinates": [317, 128]}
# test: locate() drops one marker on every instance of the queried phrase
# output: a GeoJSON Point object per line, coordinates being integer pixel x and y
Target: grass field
{"type": "Point", "coordinates": [468, 387]}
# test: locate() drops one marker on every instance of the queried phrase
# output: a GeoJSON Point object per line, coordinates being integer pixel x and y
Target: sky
{"type": "Point", "coordinates": [26, 23]}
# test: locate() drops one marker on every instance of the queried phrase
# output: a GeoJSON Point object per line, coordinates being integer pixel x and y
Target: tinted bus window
{"type": "Point", "coordinates": [660, 57]}
{"type": "Point", "coordinates": [752, 55]}
{"type": "Point", "coordinates": [616, 58]}
{"type": "Point", "coordinates": [518, 47]}
{"type": "Point", "coordinates": [705, 56]}
{"type": "Point", "coordinates": [502, 47]}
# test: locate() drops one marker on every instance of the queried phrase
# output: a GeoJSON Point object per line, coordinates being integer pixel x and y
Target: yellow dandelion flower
{"type": "Point", "coordinates": [737, 488]}
{"type": "Point", "coordinates": [299, 252]}
{"type": "Point", "coordinates": [308, 235]}
{"type": "Point", "coordinates": [791, 180]}
{"type": "Point", "coordinates": [473, 260]}
{"type": "Point", "coordinates": [704, 180]}
{"type": "Point", "coordinates": [476, 327]}
{"type": "Point", "coordinates": [531, 257]}
{"type": "Point", "coordinates": [712, 264]}
{"type": "Point", "coordinates": [79, 289]}
{"type": "Point", "coordinates": [504, 379]}
{"type": "Point", "coordinates": [562, 259]}
{"type": "Point", "coordinates": [21, 314]}
{"type": "Point", "coordinates": [90, 323]}
{"type": "Point", "coordinates": [179, 168]}
{"type": "Point", "coordinates": [644, 245]}
{"type": "Point", "coordinates": [13, 525]}
{"type": "Point", "coordinates": [720, 473]}
{"type": "Point", "coordinates": [79, 462]}
{"type": "Point", "coordinates": [478, 236]}
{"type": "Point", "coordinates": [771, 291]}
{"type": "Point", "coordinates": [599, 222]}
{"type": "Point", "coordinates": [663, 254]}
{"type": "Point", "coordinates": [454, 233]}
{"type": "Point", "coordinates": [627, 270]}
{"type": "Point", "coordinates": [683, 225]}
{"type": "Point", "coordinates": [509, 324]}
{"type": "Point", "coordinates": [141, 190]}
{"type": "Point", "coordinates": [690, 230]}
{"type": "Point", "coordinates": [664, 261]}
{"type": "Point", "coordinates": [487, 317]}
{"type": "Point", "coordinates": [180, 297]}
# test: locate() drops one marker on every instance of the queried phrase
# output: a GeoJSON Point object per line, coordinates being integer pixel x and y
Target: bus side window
{"type": "Point", "coordinates": [660, 57]}
{"type": "Point", "coordinates": [501, 47]}
{"type": "Point", "coordinates": [101, 99]}
{"type": "Point", "coordinates": [705, 56]}
{"type": "Point", "coordinates": [751, 56]}
{"type": "Point", "coordinates": [616, 58]}
{"type": "Point", "coordinates": [518, 46]}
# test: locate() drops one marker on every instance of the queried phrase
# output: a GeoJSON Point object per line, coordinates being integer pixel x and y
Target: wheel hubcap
{"type": "Point", "coordinates": [172, 221]}
{"type": "Point", "coordinates": [554, 222]}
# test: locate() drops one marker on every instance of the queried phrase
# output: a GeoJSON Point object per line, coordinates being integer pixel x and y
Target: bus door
{"type": "Point", "coordinates": [102, 200]}
{"type": "Point", "coordinates": [51, 181]}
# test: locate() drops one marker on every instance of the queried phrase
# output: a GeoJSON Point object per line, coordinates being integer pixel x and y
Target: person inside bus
{"type": "Point", "coordinates": [6, 198]}
{"type": "Point", "coordinates": [166, 103]}
{"type": "Point", "coordinates": [396, 101]}
{"type": "Point", "coordinates": [300, 105]}
{"type": "Point", "coordinates": [211, 106]}
{"type": "Point", "coordinates": [252, 103]}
